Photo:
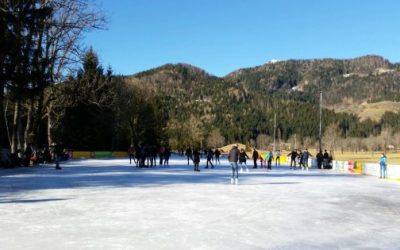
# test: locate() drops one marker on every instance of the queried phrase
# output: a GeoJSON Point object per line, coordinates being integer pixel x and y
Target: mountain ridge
{"type": "Point", "coordinates": [345, 82]}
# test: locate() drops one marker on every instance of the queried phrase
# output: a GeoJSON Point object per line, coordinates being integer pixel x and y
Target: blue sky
{"type": "Point", "coordinates": [221, 36]}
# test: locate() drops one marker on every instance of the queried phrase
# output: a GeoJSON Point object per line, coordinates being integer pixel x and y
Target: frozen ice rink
{"type": "Point", "coordinates": [109, 204]}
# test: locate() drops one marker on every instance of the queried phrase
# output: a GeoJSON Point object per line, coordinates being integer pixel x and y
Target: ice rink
{"type": "Point", "coordinates": [109, 204]}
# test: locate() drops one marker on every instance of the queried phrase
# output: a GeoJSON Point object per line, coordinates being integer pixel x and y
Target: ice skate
{"type": "Point", "coordinates": [232, 181]}
{"type": "Point", "coordinates": [236, 181]}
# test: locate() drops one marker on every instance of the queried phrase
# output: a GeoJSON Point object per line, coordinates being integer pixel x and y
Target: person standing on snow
{"type": "Point", "coordinates": [196, 160]}
{"type": "Point", "coordinates": [304, 159]}
{"type": "Point", "coordinates": [278, 158]}
{"type": "Point", "coordinates": [269, 157]}
{"type": "Point", "coordinates": [233, 158]}
{"type": "Point", "coordinates": [189, 154]}
{"type": "Point", "coordinates": [293, 155]}
{"type": "Point", "coordinates": [217, 154]}
{"type": "Point", "coordinates": [320, 159]}
{"type": "Point", "coordinates": [255, 157]}
{"type": "Point", "coordinates": [242, 160]}
{"type": "Point", "coordinates": [209, 155]}
{"type": "Point", "coordinates": [383, 166]}
{"type": "Point", "coordinates": [57, 152]}
{"type": "Point", "coordinates": [131, 152]}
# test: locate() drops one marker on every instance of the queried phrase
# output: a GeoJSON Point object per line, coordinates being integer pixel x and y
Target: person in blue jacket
{"type": "Point", "coordinates": [383, 166]}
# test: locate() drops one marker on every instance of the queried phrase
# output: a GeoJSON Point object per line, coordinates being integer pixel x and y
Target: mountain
{"type": "Point", "coordinates": [364, 79]}
{"type": "Point", "coordinates": [246, 99]}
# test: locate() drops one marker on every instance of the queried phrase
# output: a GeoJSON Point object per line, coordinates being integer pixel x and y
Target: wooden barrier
{"type": "Point", "coordinates": [80, 154]}
{"type": "Point", "coordinates": [97, 154]}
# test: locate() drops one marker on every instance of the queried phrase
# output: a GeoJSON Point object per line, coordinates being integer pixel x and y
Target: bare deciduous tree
{"type": "Point", "coordinates": [215, 139]}
{"type": "Point", "coordinates": [330, 136]}
{"type": "Point", "coordinates": [262, 141]}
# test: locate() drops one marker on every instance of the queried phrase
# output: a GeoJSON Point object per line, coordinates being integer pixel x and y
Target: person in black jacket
{"type": "Point", "coordinates": [293, 155]}
{"type": "Point", "coordinates": [320, 159]}
{"type": "Point", "coordinates": [57, 152]}
{"type": "Point", "coordinates": [242, 160]}
{"type": "Point", "coordinates": [209, 155]}
{"type": "Point", "coordinates": [255, 157]}
{"type": "Point", "coordinates": [233, 158]}
{"type": "Point", "coordinates": [326, 160]}
{"type": "Point", "coordinates": [131, 152]}
{"type": "Point", "coordinates": [28, 154]}
{"type": "Point", "coordinates": [196, 160]}
{"type": "Point", "coordinates": [189, 154]}
{"type": "Point", "coordinates": [217, 154]}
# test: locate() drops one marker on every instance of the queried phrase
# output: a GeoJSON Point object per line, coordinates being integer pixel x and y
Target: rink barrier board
{"type": "Point", "coordinates": [97, 154]}
{"type": "Point", "coordinates": [371, 169]}
{"type": "Point", "coordinates": [80, 154]}
{"type": "Point", "coordinates": [119, 154]}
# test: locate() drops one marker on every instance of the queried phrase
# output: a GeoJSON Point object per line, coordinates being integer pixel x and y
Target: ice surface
{"type": "Point", "coordinates": [109, 204]}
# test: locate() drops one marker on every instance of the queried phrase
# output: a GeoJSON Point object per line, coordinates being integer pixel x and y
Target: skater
{"type": "Point", "coordinates": [262, 161]}
{"type": "Point", "coordinates": [167, 155]}
{"type": "Point", "coordinates": [161, 154]}
{"type": "Point", "coordinates": [46, 155]}
{"type": "Point", "coordinates": [293, 155]}
{"type": "Point", "coordinates": [242, 160]}
{"type": "Point", "coordinates": [189, 154]}
{"type": "Point", "coordinates": [320, 159]}
{"type": "Point", "coordinates": [233, 158]}
{"type": "Point", "coordinates": [28, 155]}
{"type": "Point", "coordinates": [153, 155]}
{"type": "Point", "coordinates": [142, 157]}
{"type": "Point", "coordinates": [269, 157]}
{"type": "Point", "coordinates": [217, 154]}
{"type": "Point", "coordinates": [137, 156]}
{"type": "Point", "coordinates": [304, 159]}
{"type": "Point", "coordinates": [383, 166]}
{"type": "Point", "coordinates": [255, 157]}
{"type": "Point", "coordinates": [57, 152]}
{"type": "Point", "coordinates": [327, 160]}
{"type": "Point", "coordinates": [131, 152]}
{"type": "Point", "coordinates": [209, 155]}
{"type": "Point", "coordinates": [278, 158]}
{"type": "Point", "coordinates": [196, 160]}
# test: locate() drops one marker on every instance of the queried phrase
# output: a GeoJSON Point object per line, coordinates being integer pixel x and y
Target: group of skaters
{"type": "Point", "coordinates": [237, 158]}
{"type": "Point", "coordinates": [196, 154]}
{"type": "Point", "coordinates": [33, 155]}
{"type": "Point", "coordinates": [300, 158]}
{"type": "Point", "coordinates": [146, 156]}
{"type": "Point", "coordinates": [266, 159]}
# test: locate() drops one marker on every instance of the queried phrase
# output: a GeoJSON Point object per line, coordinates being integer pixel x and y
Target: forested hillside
{"type": "Point", "coordinates": [241, 106]}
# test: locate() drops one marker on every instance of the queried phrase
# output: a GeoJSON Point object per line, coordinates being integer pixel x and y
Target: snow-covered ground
{"type": "Point", "coordinates": [108, 204]}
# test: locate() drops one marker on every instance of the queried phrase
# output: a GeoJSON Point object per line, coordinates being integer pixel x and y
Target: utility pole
{"type": "Point", "coordinates": [320, 120]}
{"type": "Point", "coordinates": [273, 150]}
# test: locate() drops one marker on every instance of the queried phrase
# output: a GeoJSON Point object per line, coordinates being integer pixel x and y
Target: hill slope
{"type": "Point", "coordinates": [242, 104]}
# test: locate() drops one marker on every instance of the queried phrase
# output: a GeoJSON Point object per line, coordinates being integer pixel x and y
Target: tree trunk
{"type": "Point", "coordinates": [4, 143]}
{"type": "Point", "coordinates": [29, 123]}
{"type": "Point", "coordinates": [37, 122]}
{"type": "Point", "coordinates": [16, 140]}
{"type": "Point", "coordinates": [49, 139]}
